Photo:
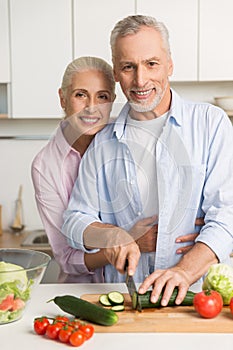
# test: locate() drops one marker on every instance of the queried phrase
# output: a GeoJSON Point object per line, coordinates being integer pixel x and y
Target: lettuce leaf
{"type": "Point", "coordinates": [220, 278]}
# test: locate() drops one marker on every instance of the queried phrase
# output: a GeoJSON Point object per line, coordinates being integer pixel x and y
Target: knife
{"type": "Point", "coordinates": [132, 287]}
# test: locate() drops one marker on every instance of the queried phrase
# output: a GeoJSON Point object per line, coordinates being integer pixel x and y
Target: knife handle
{"type": "Point", "coordinates": [126, 265]}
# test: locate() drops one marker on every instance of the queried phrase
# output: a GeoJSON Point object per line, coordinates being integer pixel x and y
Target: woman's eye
{"type": "Point", "coordinates": [104, 97]}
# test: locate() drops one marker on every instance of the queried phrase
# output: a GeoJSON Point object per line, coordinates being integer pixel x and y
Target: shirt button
{"type": "Point", "coordinates": [132, 182]}
{"type": "Point", "coordinates": [139, 213]}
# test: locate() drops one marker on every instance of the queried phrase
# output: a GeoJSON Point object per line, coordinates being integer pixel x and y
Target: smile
{"type": "Point", "coordinates": [89, 120]}
{"type": "Point", "coordinates": [142, 94]}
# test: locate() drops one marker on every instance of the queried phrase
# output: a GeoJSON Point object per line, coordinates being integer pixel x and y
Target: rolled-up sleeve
{"type": "Point", "coordinates": [217, 205]}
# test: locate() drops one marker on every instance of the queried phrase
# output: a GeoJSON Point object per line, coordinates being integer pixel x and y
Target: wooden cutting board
{"type": "Point", "coordinates": [178, 319]}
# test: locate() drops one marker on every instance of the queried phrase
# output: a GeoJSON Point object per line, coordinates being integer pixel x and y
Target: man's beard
{"type": "Point", "coordinates": [143, 108]}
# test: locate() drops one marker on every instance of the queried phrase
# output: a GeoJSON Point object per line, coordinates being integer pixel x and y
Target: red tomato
{"type": "Point", "coordinates": [208, 303]}
{"type": "Point", "coordinates": [77, 338]}
{"type": "Point", "coordinates": [40, 325]}
{"type": "Point", "coordinates": [63, 319]}
{"type": "Point", "coordinates": [87, 330]}
{"type": "Point", "coordinates": [231, 305]}
{"type": "Point", "coordinates": [53, 330]}
{"type": "Point", "coordinates": [65, 333]}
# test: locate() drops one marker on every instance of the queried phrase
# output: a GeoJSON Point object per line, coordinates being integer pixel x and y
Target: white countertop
{"type": "Point", "coordinates": [20, 334]}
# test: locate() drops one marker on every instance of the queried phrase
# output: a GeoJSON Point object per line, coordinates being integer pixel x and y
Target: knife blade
{"type": "Point", "coordinates": [132, 287]}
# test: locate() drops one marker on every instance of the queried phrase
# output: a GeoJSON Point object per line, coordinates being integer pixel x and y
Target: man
{"type": "Point", "coordinates": [164, 156]}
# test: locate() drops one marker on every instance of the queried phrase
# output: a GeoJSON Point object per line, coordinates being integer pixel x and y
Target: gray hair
{"type": "Point", "coordinates": [86, 63]}
{"type": "Point", "coordinates": [132, 24]}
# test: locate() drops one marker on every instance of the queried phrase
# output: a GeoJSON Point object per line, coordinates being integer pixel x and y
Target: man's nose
{"type": "Point", "coordinates": [140, 76]}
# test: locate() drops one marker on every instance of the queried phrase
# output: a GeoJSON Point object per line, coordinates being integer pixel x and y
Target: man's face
{"type": "Point", "coordinates": [142, 67]}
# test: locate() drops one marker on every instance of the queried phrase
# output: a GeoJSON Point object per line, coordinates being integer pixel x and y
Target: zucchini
{"type": "Point", "coordinates": [85, 310]}
{"type": "Point", "coordinates": [146, 303]}
{"type": "Point", "coordinates": [103, 299]}
{"type": "Point", "coordinates": [116, 298]}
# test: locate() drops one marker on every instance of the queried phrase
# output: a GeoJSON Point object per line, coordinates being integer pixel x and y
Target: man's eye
{"type": "Point", "coordinates": [128, 67]}
{"type": "Point", "coordinates": [153, 63]}
{"type": "Point", "coordinates": [79, 94]}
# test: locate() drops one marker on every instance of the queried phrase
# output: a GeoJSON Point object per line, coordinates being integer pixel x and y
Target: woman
{"type": "Point", "coordinates": [86, 96]}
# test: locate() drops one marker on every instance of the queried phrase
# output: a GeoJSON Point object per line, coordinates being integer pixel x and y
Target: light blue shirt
{"type": "Point", "coordinates": [194, 161]}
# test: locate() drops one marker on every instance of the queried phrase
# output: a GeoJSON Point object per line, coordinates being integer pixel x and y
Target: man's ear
{"type": "Point", "coordinates": [62, 99]}
{"type": "Point", "coordinates": [170, 67]}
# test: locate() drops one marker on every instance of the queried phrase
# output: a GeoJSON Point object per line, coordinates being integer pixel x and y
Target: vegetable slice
{"type": "Point", "coordinates": [116, 298]}
{"type": "Point", "coordinates": [103, 299]}
{"type": "Point", "coordinates": [118, 308]}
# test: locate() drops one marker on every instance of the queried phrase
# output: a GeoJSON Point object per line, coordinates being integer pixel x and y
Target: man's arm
{"type": "Point", "coordinates": [116, 245]}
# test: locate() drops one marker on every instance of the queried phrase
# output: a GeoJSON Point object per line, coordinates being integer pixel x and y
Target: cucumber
{"type": "Point", "coordinates": [86, 310]}
{"type": "Point", "coordinates": [103, 299]}
{"type": "Point", "coordinates": [116, 298]}
{"type": "Point", "coordinates": [146, 303]}
{"type": "Point", "coordinates": [118, 308]}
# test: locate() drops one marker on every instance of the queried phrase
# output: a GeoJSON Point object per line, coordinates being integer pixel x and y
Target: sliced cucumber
{"type": "Point", "coordinates": [118, 308]}
{"type": "Point", "coordinates": [116, 298]}
{"type": "Point", "coordinates": [103, 299]}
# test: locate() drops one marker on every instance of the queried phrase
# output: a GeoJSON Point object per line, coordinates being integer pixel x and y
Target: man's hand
{"type": "Point", "coordinates": [118, 255]}
{"type": "Point", "coordinates": [190, 268]}
{"type": "Point", "coordinates": [116, 244]}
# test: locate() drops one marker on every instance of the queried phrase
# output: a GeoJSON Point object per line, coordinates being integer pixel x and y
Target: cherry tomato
{"type": "Point", "coordinates": [63, 319]}
{"type": "Point", "coordinates": [208, 303]}
{"type": "Point", "coordinates": [40, 325]}
{"type": "Point", "coordinates": [53, 330]}
{"type": "Point", "coordinates": [231, 305]}
{"type": "Point", "coordinates": [77, 338]}
{"type": "Point", "coordinates": [65, 333]}
{"type": "Point", "coordinates": [87, 330]}
{"type": "Point", "coordinates": [75, 323]}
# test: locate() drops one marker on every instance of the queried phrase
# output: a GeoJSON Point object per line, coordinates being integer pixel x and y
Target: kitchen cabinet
{"type": "Point", "coordinates": [93, 23]}
{"type": "Point", "coordinates": [4, 43]}
{"type": "Point", "coordinates": [181, 19]}
{"type": "Point", "coordinates": [41, 48]}
{"type": "Point", "coordinates": [216, 49]}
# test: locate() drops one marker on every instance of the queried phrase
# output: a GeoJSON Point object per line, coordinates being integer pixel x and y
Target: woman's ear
{"type": "Point", "coordinates": [62, 99]}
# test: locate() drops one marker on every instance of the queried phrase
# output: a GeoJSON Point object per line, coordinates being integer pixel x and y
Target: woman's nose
{"type": "Point", "coordinates": [91, 106]}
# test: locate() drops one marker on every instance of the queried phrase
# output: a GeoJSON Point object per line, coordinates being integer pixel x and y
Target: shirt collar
{"type": "Point", "coordinates": [174, 113]}
{"type": "Point", "coordinates": [61, 142]}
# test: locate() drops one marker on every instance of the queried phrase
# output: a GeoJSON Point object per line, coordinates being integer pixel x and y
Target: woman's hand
{"type": "Point", "coordinates": [189, 238]}
{"type": "Point", "coordinates": [145, 234]}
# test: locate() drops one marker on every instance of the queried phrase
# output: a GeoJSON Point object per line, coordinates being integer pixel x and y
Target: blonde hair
{"type": "Point", "coordinates": [87, 63]}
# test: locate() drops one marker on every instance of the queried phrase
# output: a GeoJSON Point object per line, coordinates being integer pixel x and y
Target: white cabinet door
{"type": "Point", "coordinates": [93, 23]}
{"type": "Point", "coordinates": [4, 43]}
{"type": "Point", "coordinates": [41, 39]}
{"type": "Point", "coordinates": [216, 40]}
{"type": "Point", "coordinates": [181, 19]}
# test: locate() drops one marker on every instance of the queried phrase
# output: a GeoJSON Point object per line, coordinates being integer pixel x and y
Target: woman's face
{"type": "Point", "coordinates": [88, 101]}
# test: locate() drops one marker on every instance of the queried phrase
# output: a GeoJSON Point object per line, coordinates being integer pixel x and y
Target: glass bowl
{"type": "Point", "coordinates": [17, 282]}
